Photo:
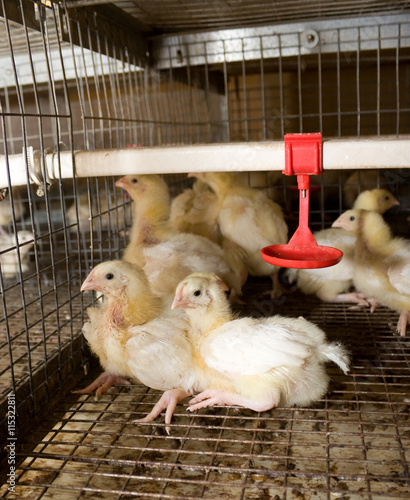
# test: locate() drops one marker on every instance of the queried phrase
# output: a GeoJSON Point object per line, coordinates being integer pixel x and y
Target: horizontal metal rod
{"type": "Point", "coordinates": [338, 154]}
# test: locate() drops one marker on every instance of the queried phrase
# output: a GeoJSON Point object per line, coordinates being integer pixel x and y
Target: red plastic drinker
{"type": "Point", "coordinates": [303, 157]}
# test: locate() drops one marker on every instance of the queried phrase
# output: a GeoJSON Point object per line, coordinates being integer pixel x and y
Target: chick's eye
{"type": "Point", "coordinates": [109, 276]}
{"type": "Point", "coordinates": [197, 293]}
{"type": "Point", "coordinates": [387, 198]}
{"type": "Point", "coordinates": [134, 181]}
{"type": "Point", "coordinates": [352, 217]}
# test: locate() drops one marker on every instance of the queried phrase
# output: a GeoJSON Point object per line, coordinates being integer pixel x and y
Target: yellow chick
{"type": "Point", "coordinates": [382, 262]}
{"type": "Point", "coordinates": [248, 218]}
{"type": "Point", "coordinates": [367, 179]}
{"type": "Point", "coordinates": [273, 361]}
{"type": "Point", "coordinates": [135, 334]}
{"type": "Point", "coordinates": [376, 200]}
{"type": "Point", "coordinates": [150, 213]}
{"type": "Point", "coordinates": [333, 284]}
{"type": "Point", "coordinates": [166, 255]}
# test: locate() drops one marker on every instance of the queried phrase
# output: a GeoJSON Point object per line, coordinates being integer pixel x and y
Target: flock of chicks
{"type": "Point", "coordinates": [166, 318]}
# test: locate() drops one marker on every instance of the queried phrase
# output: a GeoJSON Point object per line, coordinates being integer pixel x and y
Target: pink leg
{"type": "Point", "coordinates": [212, 397]}
{"type": "Point", "coordinates": [404, 320]}
{"type": "Point", "coordinates": [168, 402]}
{"type": "Point", "coordinates": [356, 298]}
{"type": "Point", "coordinates": [277, 289]}
{"type": "Point", "coordinates": [102, 384]}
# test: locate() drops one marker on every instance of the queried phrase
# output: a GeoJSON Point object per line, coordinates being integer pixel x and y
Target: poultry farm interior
{"type": "Point", "coordinates": [159, 86]}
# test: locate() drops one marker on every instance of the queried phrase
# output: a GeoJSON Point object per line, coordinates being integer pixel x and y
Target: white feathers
{"type": "Point", "coordinates": [159, 353]}
{"type": "Point", "coordinates": [248, 347]}
{"type": "Point", "coordinates": [168, 262]}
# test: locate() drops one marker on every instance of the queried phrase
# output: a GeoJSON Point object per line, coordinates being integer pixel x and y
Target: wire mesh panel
{"type": "Point", "coordinates": [352, 444]}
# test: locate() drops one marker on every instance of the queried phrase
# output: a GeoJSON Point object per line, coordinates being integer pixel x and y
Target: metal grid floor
{"type": "Point", "coordinates": [354, 444]}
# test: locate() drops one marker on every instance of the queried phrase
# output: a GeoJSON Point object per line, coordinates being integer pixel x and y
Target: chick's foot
{"type": "Point", "coordinates": [167, 402]}
{"type": "Point", "coordinates": [102, 384]}
{"type": "Point", "coordinates": [212, 397]}
{"type": "Point", "coordinates": [355, 297]}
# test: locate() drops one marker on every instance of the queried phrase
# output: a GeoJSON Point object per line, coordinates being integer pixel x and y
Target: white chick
{"type": "Point", "coordinates": [333, 284]}
{"type": "Point", "coordinates": [382, 262]}
{"type": "Point", "coordinates": [8, 252]}
{"type": "Point", "coordinates": [135, 334]}
{"type": "Point", "coordinates": [196, 211]}
{"type": "Point", "coordinates": [251, 220]}
{"type": "Point", "coordinates": [166, 255]}
{"type": "Point", "coordinates": [270, 362]}
{"type": "Point", "coordinates": [19, 205]}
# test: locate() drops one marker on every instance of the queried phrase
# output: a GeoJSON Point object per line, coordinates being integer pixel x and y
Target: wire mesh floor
{"type": "Point", "coordinates": [354, 444]}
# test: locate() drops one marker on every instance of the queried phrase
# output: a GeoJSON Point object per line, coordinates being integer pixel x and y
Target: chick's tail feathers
{"type": "Point", "coordinates": [338, 354]}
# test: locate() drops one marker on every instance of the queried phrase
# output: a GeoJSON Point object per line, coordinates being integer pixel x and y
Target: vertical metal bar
{"type": "Point", "coordinates": [11, 139]}
{"type": "Point", "coordinates": [113, 88]}
{"type": "Point", "coordinates": [121, 130]}
{"type": "Point", "coordinates": [251, 452]}
{"type": "Point", "coordinates": [158, 116]}
{"type": "Point", "coordinates": [207, 94]}
{"type": "Point", "coordinates": [138, 110]}
{"type": "Point", "coordinates": [244, 120]}
{"type": "Point", "coordinates": [189, 136]}
{"type": "Point", "coordinates": [96, 81]}
{"type": "Point", "coordinates": [288, 454]}
{"type": "Point", "coordinates": [145, 81]}
{"type": "Point", "coordinates": [127, 140]}
{"type": "Point", "coordinates": [132, 100]}
{"type": "Point", "coordinates": [378, 82]}
{"type": "Point", "coordinates": [320, 92]}
{"type": "Point", "coordinates": [398, 81]}
{"type": "Point", "coordinates": [300, 90]}
{"type": "Point", "coordinates": [358, 83]}
{"type": "Point", "coordinates": [263, 104]}
{"type": "Point", "coordinates": [338, 76]}
{"type": "Point", "coordinates": [282, 119]}
{"type": "Point", "coordinates": [88, 100]}
{"type": "Point", "coordinates": [228, 128]}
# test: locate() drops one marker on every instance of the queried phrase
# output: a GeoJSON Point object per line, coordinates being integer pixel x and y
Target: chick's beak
{"type": "Point", "coordinates": [121, 183]}
{"type": "Point", "coordinates": [180, 300]}
{"type": "Point", "coordinates": [395, 202]}
{"type": "Point", "coordinates": [340, 222]}
{"type": "Point", "coordinates": [89, 283]}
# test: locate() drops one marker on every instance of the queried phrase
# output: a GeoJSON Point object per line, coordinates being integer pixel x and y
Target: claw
{"type": "Point", "coordinates": [167, 402]}
{"type": "Point", "coordinates": [374, 304]}
{"type": "Point", "coordinates": [404, 320]}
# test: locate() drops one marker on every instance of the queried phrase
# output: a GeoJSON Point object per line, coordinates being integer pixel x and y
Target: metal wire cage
{"type": "Point", "coordinates": [89, 76]}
